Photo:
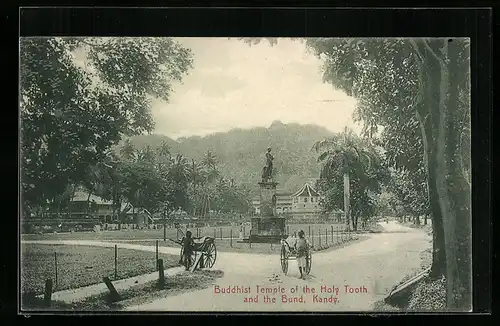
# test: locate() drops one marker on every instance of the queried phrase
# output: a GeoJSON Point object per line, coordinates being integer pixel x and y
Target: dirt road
{"type": "Point", "coordinates": [375, 264]}
{"type": "Point", "coordinates": [372, 266]}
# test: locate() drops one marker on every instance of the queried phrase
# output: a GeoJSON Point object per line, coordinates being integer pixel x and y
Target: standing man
{"type": "Point", "coordinates": [188, 248]}
{"type": "Point", "coordinates": [302, 248]}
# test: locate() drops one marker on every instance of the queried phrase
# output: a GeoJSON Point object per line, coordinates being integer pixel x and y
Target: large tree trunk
{"type": "Point", "coordinates": [458, 232]}
{"type": "Point", "coordinates": [450, 190]}
{"type": "Point", "coordinates": [426, 116]}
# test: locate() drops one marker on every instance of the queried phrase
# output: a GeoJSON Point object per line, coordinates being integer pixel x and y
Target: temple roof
{"type": "Point", "coordinates": [83, 196]}
{"type": "Point", "coordinates": [306, 191]}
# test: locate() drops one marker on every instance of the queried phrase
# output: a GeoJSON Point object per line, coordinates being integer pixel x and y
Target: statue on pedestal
{"type": "Point", "coordinates": [267, 170]}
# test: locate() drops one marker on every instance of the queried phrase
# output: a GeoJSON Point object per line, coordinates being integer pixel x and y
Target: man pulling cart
{"type": "Point", "coordinates": [196, 252]}
{"type": "Point", "coordinates": [298, 249]}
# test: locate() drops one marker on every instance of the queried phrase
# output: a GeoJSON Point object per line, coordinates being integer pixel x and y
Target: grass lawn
{"type": "Point", "coordinates": [174, 285]}
{"type": "Point", "coordinates": [79, 266]}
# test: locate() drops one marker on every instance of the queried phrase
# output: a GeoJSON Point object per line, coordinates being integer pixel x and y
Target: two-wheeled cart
{"type": "Point", "coordinates": [204, 252]}
{"type": "Point", "coordinates": [288, 252]}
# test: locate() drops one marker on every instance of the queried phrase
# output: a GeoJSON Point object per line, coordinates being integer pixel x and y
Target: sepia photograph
{"type": "Point", "coordinates": [216, 174]}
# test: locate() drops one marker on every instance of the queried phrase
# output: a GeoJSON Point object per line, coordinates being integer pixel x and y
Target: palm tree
{"type": "Point", "coordinates": [342, 152]}
{"type": "Point", "coordinates": [127, 150]}
{"type": "Point", "coordinates": [163, 150]}
{"type": "Point", "coordinates": [180, 169]}
{"type": "Point", "coordinates": [163, 156]}
{"type": "Point", "coordinates": [197, 177]}
{"type": "Point", "coordinates": [146, 155]}
{"type": "Point", "coordinates": [209, 162]}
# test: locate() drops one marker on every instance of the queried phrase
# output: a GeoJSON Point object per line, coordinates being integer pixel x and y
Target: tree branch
{"type": "Point", "coordinates": [417, 51]}
{"type": "Point", "coordinates": [434, 54]}
{"type": "Point", "coordinates": [421, 98]}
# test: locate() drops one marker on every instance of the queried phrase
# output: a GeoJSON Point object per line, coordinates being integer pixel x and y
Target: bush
{"type": "Point", "coordinates": [429, 295]}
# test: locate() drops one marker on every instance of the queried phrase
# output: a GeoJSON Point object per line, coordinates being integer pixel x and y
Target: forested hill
{"type": "Point", "coordinates": [241, 152]}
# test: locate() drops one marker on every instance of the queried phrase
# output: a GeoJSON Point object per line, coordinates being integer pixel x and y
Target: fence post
{"type": "Point", "coordinates": [331, 229]}
{"type": "Point", "coordinates": [116, 262]}
{"type": "Point", "coordinates": [114, 296]}
{"type": "Point", "coordinates": [287, 230]}
{"type": "Point", "coordinates": [312, 236]}
{"type": "Point", "coordinates": [326, 236]}
{"type": "Point", "coordinates": [309, 232]}
{"type": "Point", "coordinates": [338, 238]}
{"type": "Point", "coordinates": [250, 240]}
{"type": "Point", "coordinates": [156, 254]}
{"type": "Point", "coordinates": [220, 232]}
{"type": "Point", "coordinates": [55, 261]}
{"type": "Point", "coordinates": [161, 276]}
{"type": "Point", "coordinates": [165, 232]}
{"type": "Point", "coordinates": [47, 296]}
{"type": "Point", "coordinates": [231, 237]}
{"type": "Point", "coordinates": [215, 233]}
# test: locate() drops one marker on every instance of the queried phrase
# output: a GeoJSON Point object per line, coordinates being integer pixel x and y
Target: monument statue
{"type": "Point", "coordinates": [267, 171]}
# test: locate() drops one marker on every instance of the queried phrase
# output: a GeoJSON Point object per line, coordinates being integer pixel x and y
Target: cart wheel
{"type": "Point", "coordinates": [210, 255]}
{"type": "Point", "coordinates": [284, 259]}
{"type": "Point", "coordinates": [308, 263]}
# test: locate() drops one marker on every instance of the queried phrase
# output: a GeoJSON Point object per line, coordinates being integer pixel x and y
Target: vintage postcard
{"type": "Point", "coordinates": [245, 174]}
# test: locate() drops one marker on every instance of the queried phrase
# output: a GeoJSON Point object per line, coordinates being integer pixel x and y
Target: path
{"type": "Point", "coordinates": [376, 263]}
{"type": "Point", "coordinates": [79, 294]}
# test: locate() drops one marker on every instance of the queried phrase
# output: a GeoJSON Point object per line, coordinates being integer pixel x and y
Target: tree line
{"type": "Point", "coordinates": [418, 91]}
{"type": "Point", "coordinates": [79, 98]}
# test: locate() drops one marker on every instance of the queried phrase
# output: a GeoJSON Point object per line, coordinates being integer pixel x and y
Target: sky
{"type": "Point", "coordinates": [234, 85]}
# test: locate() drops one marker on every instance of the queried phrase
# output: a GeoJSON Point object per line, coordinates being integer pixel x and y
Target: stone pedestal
{"type": "Point", "coordinates": [268, 199]}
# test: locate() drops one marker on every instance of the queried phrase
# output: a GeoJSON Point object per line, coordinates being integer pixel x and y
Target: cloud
{"type": "Point", "coordinates": [215, 85]}
{"type": "Point", "coordinates": [234, 85]}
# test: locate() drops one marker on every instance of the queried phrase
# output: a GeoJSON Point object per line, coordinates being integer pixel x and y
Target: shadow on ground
{"type": "Point", "coordinates": [140, 294]}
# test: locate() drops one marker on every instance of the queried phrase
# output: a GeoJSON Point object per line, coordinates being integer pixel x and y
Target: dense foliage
{"type": "Point", "coordinates": [241, 152]}
{"type": "Point", "coordinates": [418, 90]}
{"type": "Point", "coordinates": [349, 156]}
{"type": "Point", "coordinates": [72, 112]}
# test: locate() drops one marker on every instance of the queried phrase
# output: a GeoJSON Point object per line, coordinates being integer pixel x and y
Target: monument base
{"type": "Point", "coordinates": [268, 199]}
